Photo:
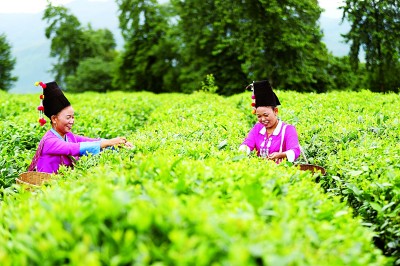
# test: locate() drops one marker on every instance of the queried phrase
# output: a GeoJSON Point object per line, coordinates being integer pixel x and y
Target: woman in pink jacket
{"type": "Point", "coordinates": [270, 137]}
{"type": "Point", "coordinates": [59, 146]}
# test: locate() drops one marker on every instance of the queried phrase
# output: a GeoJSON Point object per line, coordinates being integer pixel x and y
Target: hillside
{"type": "Point", "coordinates": [25, 32]}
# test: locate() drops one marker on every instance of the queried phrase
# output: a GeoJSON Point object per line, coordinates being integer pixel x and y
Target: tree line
{"type": "Point", "coordinates": [183, 45]}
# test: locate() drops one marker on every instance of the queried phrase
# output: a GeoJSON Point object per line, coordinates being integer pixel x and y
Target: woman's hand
{"type": "Point", "coordinates": [128, 145]}
{"type": "Point", "coordinates": [276, 156]}
{"type": "Point", "coordinates": [118, 141]}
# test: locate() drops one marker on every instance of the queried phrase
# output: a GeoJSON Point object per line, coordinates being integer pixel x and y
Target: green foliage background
{"type": "Point", "coordinates": [7, 63]}
{"type": "Point", "coordinates": [174, 46]}
{"type": "Point", "coordinates": [184, 195]}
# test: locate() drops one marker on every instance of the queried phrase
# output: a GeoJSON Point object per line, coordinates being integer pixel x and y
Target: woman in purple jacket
{"type": "Point", "coordinates": [59, 146]}
{"type": "Point", "coordinates": [272, 138]}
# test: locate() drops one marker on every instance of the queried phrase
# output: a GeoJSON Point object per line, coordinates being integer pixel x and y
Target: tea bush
{"type": "Point", "coordinates": [184, 195]}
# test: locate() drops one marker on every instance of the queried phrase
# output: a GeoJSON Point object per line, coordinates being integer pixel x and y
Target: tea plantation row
{"type": "Point", "coordinates": [184, 195]}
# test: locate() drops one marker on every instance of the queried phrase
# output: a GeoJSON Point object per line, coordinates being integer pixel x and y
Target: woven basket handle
{"type": "Point", "coordinates": [304, 155]}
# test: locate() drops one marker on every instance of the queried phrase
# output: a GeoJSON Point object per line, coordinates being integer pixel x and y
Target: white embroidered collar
{"type": "Point", "coordinates": [276, 131]}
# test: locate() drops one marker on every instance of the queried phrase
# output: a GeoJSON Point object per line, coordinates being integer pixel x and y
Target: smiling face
{"type": "Point", "coordinates": [63, 121]}
{"type": "Point", "coordinates": [267, 115]}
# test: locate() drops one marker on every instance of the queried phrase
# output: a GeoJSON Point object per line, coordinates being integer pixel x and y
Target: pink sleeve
{"type": "Point", "coordinates": [83, 138]}
{"type": "Point", "coordinates": [56, 146]}
{"type": "Point", "coordinates": [250, 140]}
{"type": "Point", "coordinates": [292, 140]}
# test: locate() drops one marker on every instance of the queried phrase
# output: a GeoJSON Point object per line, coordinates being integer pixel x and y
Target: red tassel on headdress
{"type": "Point", "coordinates": [253, 97]}
{"type": "Point", "coordinates": [42, 121]}
{"type": "Point", "coordinates": [253, 101]}
{"type": "Point", "coordinates": [43, 85]}
{"type": "Point", "coordinates": [40, 108]}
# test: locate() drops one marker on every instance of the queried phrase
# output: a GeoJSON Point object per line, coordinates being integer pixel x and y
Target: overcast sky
{"type": "Point", "coordinates": [29, 6]}
{"type": "Point", "coordinates": [36, 6]}
{"type": "Point", "coordinates": [331, 7]}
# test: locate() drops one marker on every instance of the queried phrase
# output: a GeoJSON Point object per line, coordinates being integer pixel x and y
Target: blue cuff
{"type": "Point", "coordinates": [92, 147]}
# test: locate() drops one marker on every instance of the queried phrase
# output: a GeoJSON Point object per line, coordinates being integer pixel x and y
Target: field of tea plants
{"type": "Point", "coordinates": [184, 195]}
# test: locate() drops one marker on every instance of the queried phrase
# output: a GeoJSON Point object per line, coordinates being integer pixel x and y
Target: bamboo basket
{"type": "Point", "coordinates": [312, 167]}
{"type": "Point", "coordinates": [33, 179]}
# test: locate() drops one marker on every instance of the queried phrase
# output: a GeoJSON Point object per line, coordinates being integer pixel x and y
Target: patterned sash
{"type": "Point", "coordinates": [32, 166]}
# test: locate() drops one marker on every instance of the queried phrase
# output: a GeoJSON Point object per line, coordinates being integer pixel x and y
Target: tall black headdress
{"type": "Point", "coordinates": [263, 95]}
{"type": "Point", "coordinates": [52, 102]}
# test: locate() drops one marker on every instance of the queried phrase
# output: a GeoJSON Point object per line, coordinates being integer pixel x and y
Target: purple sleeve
{"type": "Point", "coordinates": [292, 140]}
{"type": "Point", "coordinates": [250, 140]}
{"type": "Point", "coordinates": [83, 138]}
{"type": "Point", "coordinates": [56, 146]}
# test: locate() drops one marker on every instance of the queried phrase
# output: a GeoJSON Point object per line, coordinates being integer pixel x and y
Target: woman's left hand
{"type": "Point", "coordinates": [276, 156]}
